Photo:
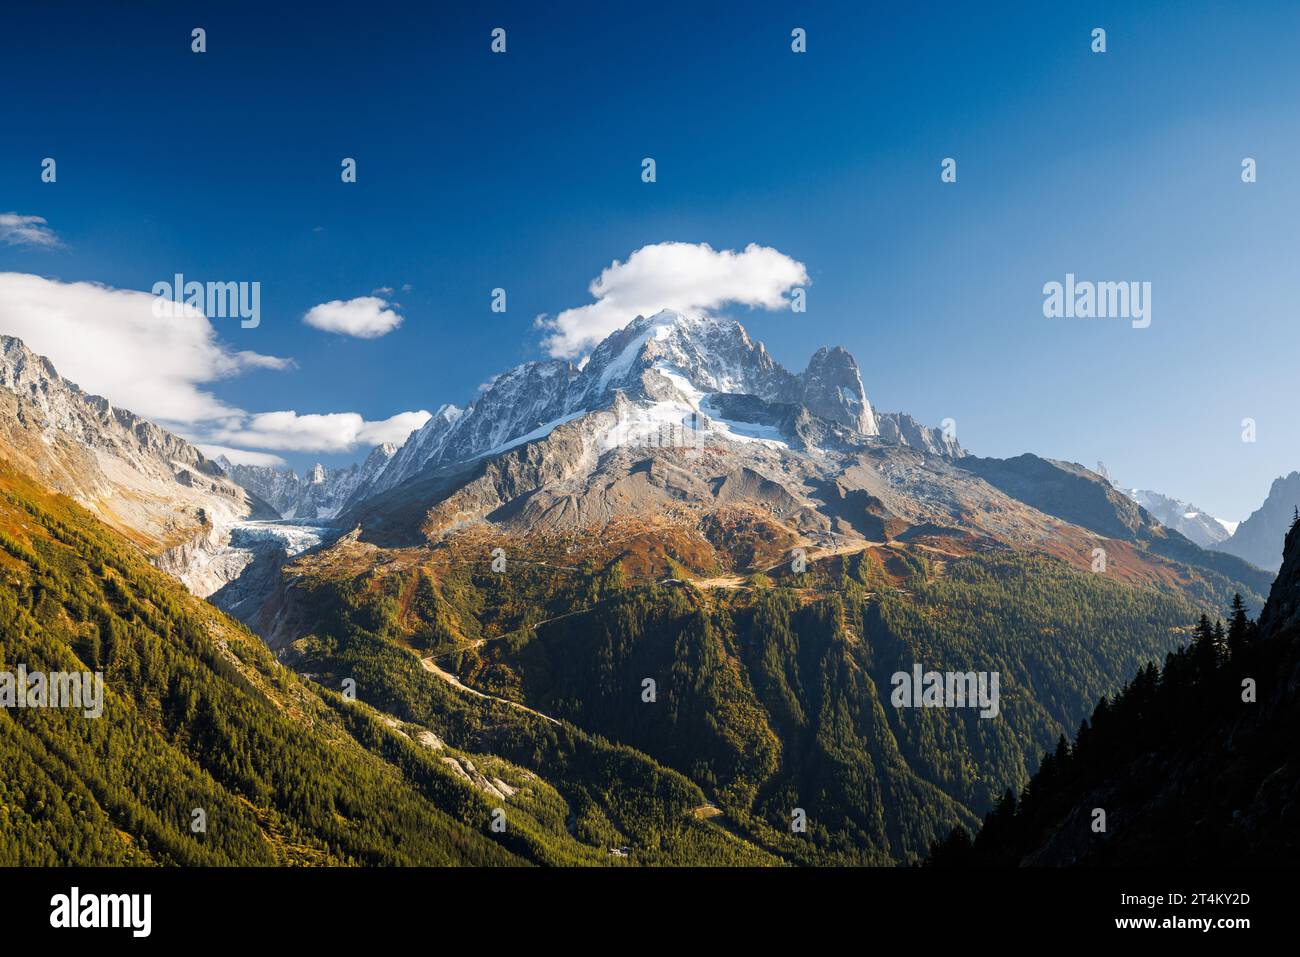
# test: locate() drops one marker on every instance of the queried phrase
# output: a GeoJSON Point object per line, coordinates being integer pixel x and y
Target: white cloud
{"type": "Point", "coordinates": [329, 432]}
{"type": "Point", "coordinates": [17, 230]}
{"type": "Point", "coordinates": [242, 456]}
{"type": "Point", "coordinates": [154, 358]}
{"type": "Point", "coordinates": [682, 276]}
{"type": "Point", "coordinates": [111, 343]}
{"type": "Point", "coordinates": [366, 317]}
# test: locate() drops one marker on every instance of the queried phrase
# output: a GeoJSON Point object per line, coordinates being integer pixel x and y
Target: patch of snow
{"type": "Point", "coordinates": [538, 433]}
{"type": "Point", "coordinates": [768, 435]}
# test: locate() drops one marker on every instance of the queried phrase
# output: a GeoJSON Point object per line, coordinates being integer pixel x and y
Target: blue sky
{"type": "Point", "coordinates": [522, 171]}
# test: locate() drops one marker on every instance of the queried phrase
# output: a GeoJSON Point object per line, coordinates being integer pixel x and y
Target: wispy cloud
{"type": "Point", "coordinates": [329, 432]}
{"type": "Point", "coordinates": [19, 230]}
{"type": "Point", "coordinates": [159, 363]}
{"type": "Point", "coordinates": [366, 317]}
{"type": "Point", "coordinates": [683, 276]}
{"type": "Point", "coordinates": [242, 456]}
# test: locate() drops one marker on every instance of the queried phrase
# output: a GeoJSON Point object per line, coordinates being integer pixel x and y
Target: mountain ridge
{"type": "Point", "coordinates": [655, 362]}
{"type": "Point", "coordinates": [318, 494]}
{"type": "Point", "coordinates": [139, 477]}
{"type": "Point", "coordinates": [1259, 538]}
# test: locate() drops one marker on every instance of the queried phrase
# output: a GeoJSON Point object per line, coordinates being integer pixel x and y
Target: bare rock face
{"type": "Point", "coordinates": [1260, 537]}
{"type": "Point", "coordinates": [141, 479]}
{"type": "Point", "coordinates": [831, 388]}
{"type": "Point", "coordinates": [898, 428]}
{"type": "Point", "coordinates": [662, 375]}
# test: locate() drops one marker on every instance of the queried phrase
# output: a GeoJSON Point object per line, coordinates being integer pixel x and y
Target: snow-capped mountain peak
{"type": "Point", "coordinates": [1199, 526]}
{"type": "Point", "coordinates": [663, 371]}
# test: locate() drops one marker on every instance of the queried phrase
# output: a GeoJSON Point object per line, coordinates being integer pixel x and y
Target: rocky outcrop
{"type": "Point", "coordinates": [1259, 538]}
{"type": "Point", "coordinates": [831, 388]}
{"type": "Point", "coordinates": [898, 428]}
{"type": "Point", "coordinates": [141, 479]}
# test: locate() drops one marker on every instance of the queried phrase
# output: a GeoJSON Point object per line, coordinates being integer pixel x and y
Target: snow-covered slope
{"type": "Point", "coordinates": [680, 379]}
{"type": "Point", "coordinates": [1198, 525]}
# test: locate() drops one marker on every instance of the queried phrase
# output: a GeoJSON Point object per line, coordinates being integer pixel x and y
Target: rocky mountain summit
{"type": "Point", "coordinates": [1259, 539]}
{"type": "Point", "coordinates": [316, 495]}
{"type": "Point", "coordinates": [701, 379]}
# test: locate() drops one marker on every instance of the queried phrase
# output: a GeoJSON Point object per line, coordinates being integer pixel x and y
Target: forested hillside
{"type": "Point", "coordinates": [1191, 764]}
{"type": "Point", "coordinates": [772, 696]}
{"type": "Point", "coordinates": [199, 716]}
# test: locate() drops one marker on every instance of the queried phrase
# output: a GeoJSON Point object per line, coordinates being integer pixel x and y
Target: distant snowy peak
{"type": "Point", "coordinates": [717, 356]}
{"type": "Point", "coordinates": [320, 494]}
{"type": "Point", "coordinates": [1199, 526]}
{"type": "Point", "coordinates": [713, 355]}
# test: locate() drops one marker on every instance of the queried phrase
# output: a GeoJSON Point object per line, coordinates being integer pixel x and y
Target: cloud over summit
{"type": "Point", "coordinates": [687, 277]}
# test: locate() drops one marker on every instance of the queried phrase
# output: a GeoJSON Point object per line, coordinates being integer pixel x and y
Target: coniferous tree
{"type": "Point", "coordinates": [1238, 626]}
{"type": "Point", "coordinates": [952, 851]}
{"type": "Point", "coordinates": [1204, 650]}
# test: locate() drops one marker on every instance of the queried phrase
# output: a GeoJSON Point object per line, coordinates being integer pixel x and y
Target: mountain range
{"type": "Point", "coordinates": [317, 495]}
{"type": "Point", "coordinates": [652, 601]}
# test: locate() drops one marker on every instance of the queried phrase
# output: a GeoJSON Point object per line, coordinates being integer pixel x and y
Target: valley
{"type": "Point", "coordinates": [547, 601]}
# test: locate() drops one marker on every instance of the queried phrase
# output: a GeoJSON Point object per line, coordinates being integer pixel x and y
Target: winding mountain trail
{"type": "Point", "coordinates": [480, 642]}
{"type": "Point", "coordinates": [455, 682]}
{"type": "Point", "coordinates": [812, 554]}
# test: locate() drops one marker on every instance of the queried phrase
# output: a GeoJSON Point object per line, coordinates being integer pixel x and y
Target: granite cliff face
{"type": "Point", "coordinates": [141, 479]}
{"type": "Point", "coordinates": [1259, 538]}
